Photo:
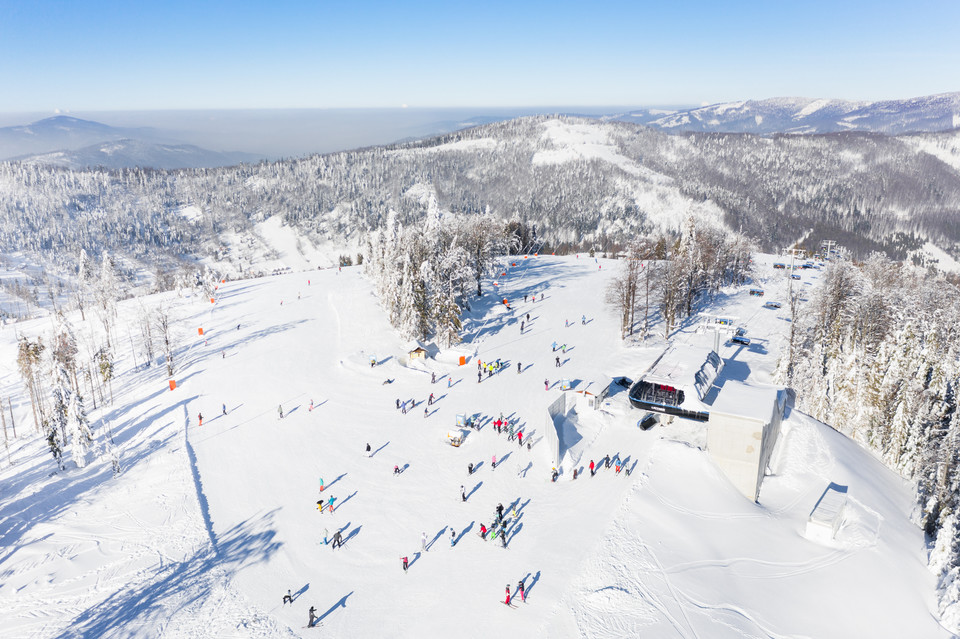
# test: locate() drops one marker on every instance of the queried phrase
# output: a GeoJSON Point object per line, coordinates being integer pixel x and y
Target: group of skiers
{"type": "Point", "coordinates": [606, 462]}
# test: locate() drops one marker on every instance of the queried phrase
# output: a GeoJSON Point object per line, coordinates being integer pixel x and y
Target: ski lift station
{"type": "Point", "coordinates": [741, 420]}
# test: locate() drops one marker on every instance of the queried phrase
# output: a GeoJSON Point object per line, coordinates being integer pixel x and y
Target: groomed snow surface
{"type": "Point", "coordinates": [208, 526]}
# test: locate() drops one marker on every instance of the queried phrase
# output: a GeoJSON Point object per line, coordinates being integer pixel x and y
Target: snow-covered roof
{"type": "Point", "coordinates": [686, 366]}
{"type": "Point", "coordinates": [742, 399]}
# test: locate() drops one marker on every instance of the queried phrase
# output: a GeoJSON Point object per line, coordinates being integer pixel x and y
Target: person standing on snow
{"type": "Point", "coordinates": [430, 400]}
{"type": "Point", "coordinates": [508, 595]}
{"type": "Point", "coordinates": [200, 417]}
{"type": "Point", "coordinates": [326, 534]}
{"type": "Point", "coordinates": [405, 564]}
{"type": "Point", "coordinates": [287, 598]}
{"type": "Point", "coordinates": [479, 376]}
{"type": "Point", "coordinates": [453, 537]}
{"type": "Point", "coordinates": [423, 541]}
{"type": "Point", "coordinates": [280, 410]}
{"type": "Point", "coordinates": [313, 617]}
{"type": "Point", "coordinates": [224, 409]}
{"type": "Point", "coordinates": [583, 320]}
{"type": "Point", "coordinates": [520, 438]}
{"type": "Point", "coordinates": [337, 540]}
{"type": "Point", "coordinates": [546, 384]}
{"type": "Point", "coordinates": [368, 449]}
{"type": "Point", "coordinates": [463, 494]}
{"type": "Point", "coordinates": [558, 361]}
{"type": "Point", "coordinates": [433, 378]}
{"type": "Point", "coordinates": [425, 412]}
{"type": "Point", "coordinates": [592, 471]}
{"type": "Point", "coordinates": [493, 462]}
{"type": "Point", "coordinates": [398, 403]}
{"type": "Point", "coordinates": [330, 505]}
{"type": "Point", "coordinates": [483, 532]}
{"type": "Point", "coordinates": [470, 468]}
{"type": "Point", "coordinates": [522, 591]}
{"type": "Point", "coordinates": [518, 368]}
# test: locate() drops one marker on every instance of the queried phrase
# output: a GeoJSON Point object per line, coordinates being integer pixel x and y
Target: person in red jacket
{"type": "Point", "coordinates": [591, 468]}
{"type": "Point", "coordinates": [508, 595]}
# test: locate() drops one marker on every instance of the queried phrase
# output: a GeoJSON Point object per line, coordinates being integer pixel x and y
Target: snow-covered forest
{"type": "Point", "coordinates": [582, 183]}
{"type": "Point", "coordinates": [875, 352]}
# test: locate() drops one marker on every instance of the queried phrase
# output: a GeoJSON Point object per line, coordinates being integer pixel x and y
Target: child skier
{"type": "Point", "coordinates": [522, 591]}
{"type": "Point", "coordinates": [508, 595]}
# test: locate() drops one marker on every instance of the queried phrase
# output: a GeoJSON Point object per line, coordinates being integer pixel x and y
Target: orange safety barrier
{"type": "Point", "coordinates": [173, 384]}
{"type": "Point", "coordinates": [463, 360]}
{"type": "Point", "coordinates": [200, 331]}
{"type": "Point", "coordinates": [211, 300]}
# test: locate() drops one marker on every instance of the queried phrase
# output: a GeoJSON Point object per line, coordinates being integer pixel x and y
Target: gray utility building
{"type": "Point", "coordinates": [742, 431]}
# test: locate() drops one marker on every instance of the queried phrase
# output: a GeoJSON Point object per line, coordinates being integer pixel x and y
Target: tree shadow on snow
{"type": "Point", "coordinates": [178, 585]}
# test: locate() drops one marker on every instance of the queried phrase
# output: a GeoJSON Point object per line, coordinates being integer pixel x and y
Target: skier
{"type": "Point", "coordinates": [510, 435]}
{"type": "Point", "coordinates": [224, 409]}
{"type": "Point", "coordinates": [320, 505]}
{"type": "Point", "coordinates": [321, 484]}
{"type": "Point", "coordinates": [564, 349]}
{"type": "Point", "coordinates": [499, 512]}
{"type": "Point", "coordinates": [534, 299]}
{"type": "Point", "coordinates": [287, 598]}
{"type": "Point", "coordinates": [425, 413]}
{"type": "Point", "coordinates": [592, 471]}
{"type": "Point", "coordinates": [479, 376]}
{"type": "Point", "coordinates": [606, 461]}
{"type": "Point", "coordinates": [223, 355]}
{"type": "Point", "coordinates": [396, 469]}
{"type": "Point", "coordinates": [313, 617]}
{"type": "Point", "coordinates": [337, 540]}
{"type": "Point", "coordinates": [326, 534]}
{"type": "Point", "coordinates": [449, 382]}
{"type": "Point", "coordinates": [330, 504]}
{"type": "Point", "coordinates": [546, 384]}
{"type": "Point", "coordinates": [373, 362]}
{"type": "Point", "coordinates": [430, 401]}
{"type": "Point", "coordinates": [521, 326]}
{"type": "Point", "coordinates": [403, 407]}
{"type": "Point", "coordinates": [554, 476]}
{"type": "Point", "coordinates": [238, 327]}
{"type": "Point", "coordinates": [524, 298]}
{"type": "Point", "coordinates": [558, 361]}
{"type": "Point", "coordinates": [520, 438]}
{"type": "Point", "coordinates": [280, 410]}
{"type": "Point", "coordinates": [528, 317]}
{"type": "Point", "coordinates": [508, 595]}
{"type": "Point", "coordinates": [518, 368]}
{"type": "Point", "coordinates": [503, 537]}
{"type": "Point", "coordinates": [368, 450]}
{"type": "Point", "coordinates": [483, 532]}
{"type": "Point", "coordinates": [493, 462]}
{"type": "Point", "coordinates": [453, 537]}
{"type": "Point", "coordinates": [583, 320]}
{"type": "Point", "coordinates": [575, 473]}
{"type": "Point", "coordinates": [522, 591]}
{"type": "Point", "coordinates": [398, 403]}
{"type": "Point", "coordinates": [618, 468]}
{"type": "Point", "coordinates": [423, 541]}
{"type": "Point", "coordinates": [310, 410]}
{"type": "Point", "coordinates": [200, 417]}
{"type": "Point", "coordinates": [553, 347]}
{"type": "Point", "coordinates": [405, 564]}
{"type": "Point", "coordinates": [433, 380]}
{"type": "Point", "coordinates": [463, 494]}
{"type": "Point", "coordinates": [470, 468]}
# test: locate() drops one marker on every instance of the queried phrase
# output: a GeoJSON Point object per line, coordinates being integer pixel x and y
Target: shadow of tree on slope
{"type": "Point", "coordinates": [132, 611]}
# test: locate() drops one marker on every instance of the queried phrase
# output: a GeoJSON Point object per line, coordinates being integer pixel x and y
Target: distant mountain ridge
{"type": "Point", "coordinates": [809, 115]}
{"type": "Point", "coordinates": [126, 153]}
{"type": "Point", "coordinates": [63, 132]}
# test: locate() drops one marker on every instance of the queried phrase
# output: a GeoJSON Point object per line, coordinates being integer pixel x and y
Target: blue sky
{"type": "Point", "coordinates": [99, 55]}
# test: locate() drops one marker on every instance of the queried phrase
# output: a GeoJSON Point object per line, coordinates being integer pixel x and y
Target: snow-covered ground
{"type": "Point", "coordinates": [208, 526]}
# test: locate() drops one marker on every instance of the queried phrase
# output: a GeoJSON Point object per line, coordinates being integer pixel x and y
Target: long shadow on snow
{"type": "Point", "coordinates": [127, 612]}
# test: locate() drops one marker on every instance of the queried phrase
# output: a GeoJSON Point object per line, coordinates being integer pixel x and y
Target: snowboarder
{"type": "Point", "coordinates": [368, 450]}
{"type": "Point", "coordinates": [280, 410]}
{"type": "Point", "coordinates": [463, 494]}
{"type": "Point", "coordinates": [493, 462]}
{"type": "Point", "coordinates": [430, 400]}
{"type": "Point", "coordinates": [337, 540]}
{"type": "Point", "coordinates": [224, 409]}
{"type": "Point", "coordinates": [405, 564]}
{"type": "Point", "coordinates": [508, 595]}
{"type": "Point", "coordinates": [470, 468]}
{"type": "Point", "coordinates": [433, 380]}
{"type": "Point", "coordinates": [592, 471]}
{"type": "Point", "coordinates": [520, 438]}
{"type": "Point", "coordinates": [287, 598]}
{"type": "Point", "coordinates": [313, 617]}
{"type": "Point", "coordinates": [558, 361]}
{"type": "Point", "coordinates": [200, 418]}
{"type": "Point", "coordinates": [522, 591]}
{"type": "Point", "coordinates": [423, 541]}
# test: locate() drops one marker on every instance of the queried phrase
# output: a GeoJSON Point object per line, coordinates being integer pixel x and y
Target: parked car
{"type": "Point", "coordinates": [772, 305]}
